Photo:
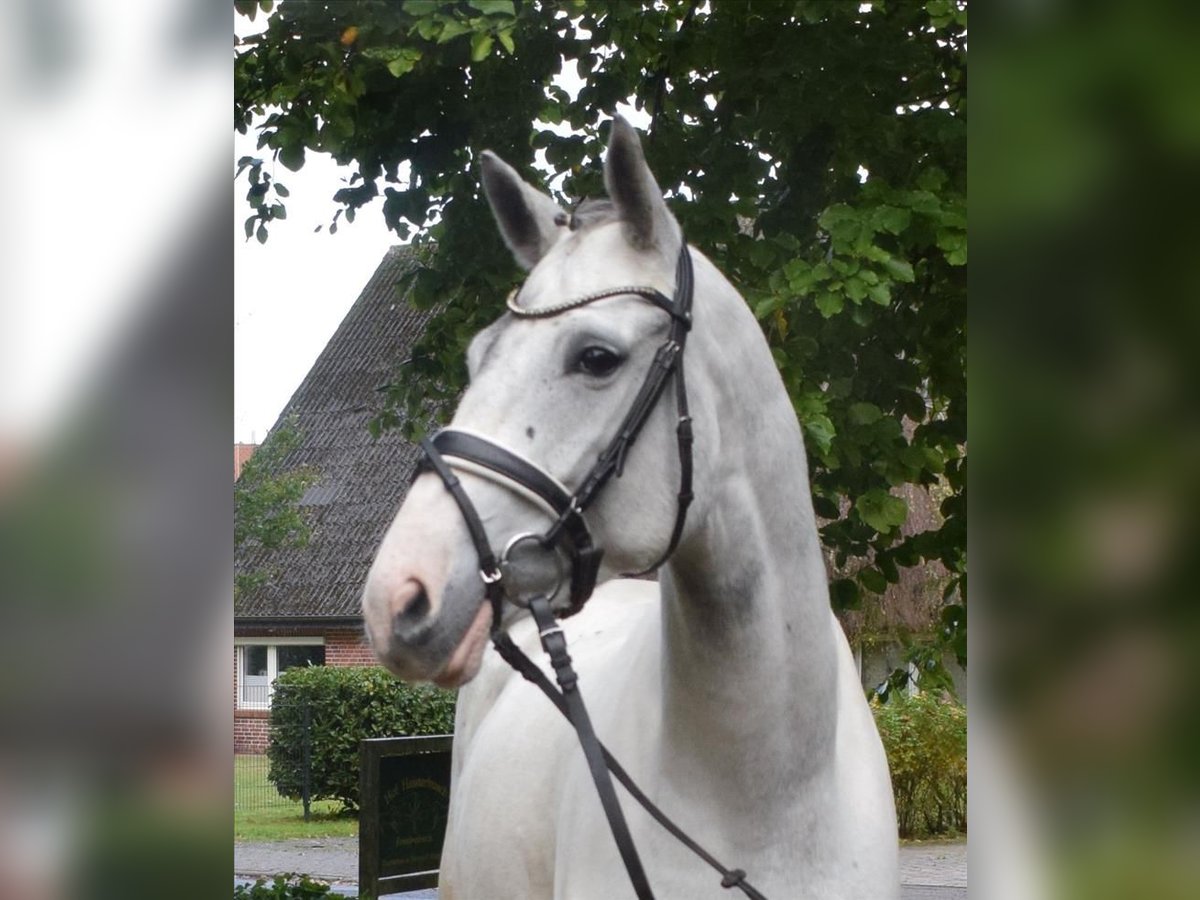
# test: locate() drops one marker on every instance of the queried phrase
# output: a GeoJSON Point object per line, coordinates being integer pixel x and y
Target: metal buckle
{"type": "Point", "coordinates": [512, 592]}
{"type": "Point", "coordinates": [491, 577]}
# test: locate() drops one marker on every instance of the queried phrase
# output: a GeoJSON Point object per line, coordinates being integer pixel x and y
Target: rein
{"type": "Point", "coordinates": [569, 533]}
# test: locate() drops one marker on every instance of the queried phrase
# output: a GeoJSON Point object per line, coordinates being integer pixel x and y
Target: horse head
{"type": "Point", "coordinates": [552, 388]}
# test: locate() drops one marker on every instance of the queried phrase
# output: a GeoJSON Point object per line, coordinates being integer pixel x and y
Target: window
{"type": "Point", "coordinates": [255, 682]}
{"type": "Point", "coordinates": [259, 664]}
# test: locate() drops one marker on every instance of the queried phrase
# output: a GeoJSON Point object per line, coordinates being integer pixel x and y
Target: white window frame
{"type": "Point", "coordinates": [272, 644]}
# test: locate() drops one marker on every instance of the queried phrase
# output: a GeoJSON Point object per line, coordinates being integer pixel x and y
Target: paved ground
{"type": "Point", "coordinates": [934, 871]}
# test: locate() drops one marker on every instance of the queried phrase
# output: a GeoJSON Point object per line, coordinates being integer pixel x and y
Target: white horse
{"type": "Point", "coordinates": [727, 689]}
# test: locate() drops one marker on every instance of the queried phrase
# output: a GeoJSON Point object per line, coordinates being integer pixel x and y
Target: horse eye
{"type": "Point", "coordinates": [597, 361]}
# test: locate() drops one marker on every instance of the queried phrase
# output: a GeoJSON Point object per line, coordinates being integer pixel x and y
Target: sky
{"type": "Point", "coordinates": [293, 291]}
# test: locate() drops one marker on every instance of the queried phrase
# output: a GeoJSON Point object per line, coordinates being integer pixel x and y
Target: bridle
{"type": "Point", "coordinates": [569, 531]}
{"type": "Point", "coordinates": [569, 534]}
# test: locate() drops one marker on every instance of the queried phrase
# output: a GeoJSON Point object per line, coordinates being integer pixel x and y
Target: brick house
{"type": "Point", "coordinates": [241, 454]}
{"type": "Point", "coordinates": [303, 608]}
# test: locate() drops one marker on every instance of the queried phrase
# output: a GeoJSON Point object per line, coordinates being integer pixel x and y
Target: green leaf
{"type": "Point", "coordinates": [954, 243]}
{"type": "Point", "coordinates": [863, 413]}
{"type": "Point", "coordinates": [873, 580]}
{"type": "Point", "coordinates": [766, 306]}
{"type": "Point", "coordinates": [261, 234]}
{"type": "Point", "coordinates": [421, 7]}
{"type": "Point", "coordinates": [250, 225]}
{"type": "Point", "coordinates": [428, 28]}
{"type": "Point", "coordinates": [844, 594]}
{"type": "Point", "coordinates": [493, 7]}
{"type": "Point", "coordinates": [281, 190]}
{"type": "Point", "coordinates": [841, 221]}
{"type": "Point", "coordinates": [821, 430]}
{"type": "Point", "coordinates": [824, 507]}
{"type": "Point", "coordinates": [830, 304]}
{"type": "Point", "coordinates": [899, 269]}
{"type": "Point", "coordinates": [481, 46]}
{"type": "Point", "coordinates": [506, 41]}
{"type": "Point", "coordinates": [880, 293]}
{"type": "Point", "coordinates": [404, 63]}
{"type": "Point", "coordinates": [881, 510]}
{"type": "Point", "coordinates": [452, 29]}
{"type": "Point", "coordinates": [292, 156]}
{"type": "Point", "coordinates": [893, 219]}
{"type": "Point", "coordinates": [887, 565]}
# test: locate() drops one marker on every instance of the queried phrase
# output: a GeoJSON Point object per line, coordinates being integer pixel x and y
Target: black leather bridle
{"type": "Point", "coordinates": [569, 534]}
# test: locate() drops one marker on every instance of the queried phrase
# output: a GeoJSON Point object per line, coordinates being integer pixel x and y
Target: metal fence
{"type": "Point", "coordinates": [255, 777]}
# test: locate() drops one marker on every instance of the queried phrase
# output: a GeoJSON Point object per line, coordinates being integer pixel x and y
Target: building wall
{"type": "Point", "coordinates": [250, 730]}
{"type": "Point", "coordinates": [241, 453]}
{"type": "Point", "coordinates": [346, 647]}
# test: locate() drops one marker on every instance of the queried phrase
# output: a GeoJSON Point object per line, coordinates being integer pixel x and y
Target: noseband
{"type": "Point", "coordinates": [569, 534]}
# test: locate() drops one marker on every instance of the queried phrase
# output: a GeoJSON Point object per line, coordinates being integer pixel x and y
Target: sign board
{"type": "Point", "coordinates": [404, 800]}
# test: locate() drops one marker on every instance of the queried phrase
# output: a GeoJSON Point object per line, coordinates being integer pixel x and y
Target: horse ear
{"type": "Point", "coordinates": [525, 215]}
{"type": "Point", "coordinates": [635, 194]}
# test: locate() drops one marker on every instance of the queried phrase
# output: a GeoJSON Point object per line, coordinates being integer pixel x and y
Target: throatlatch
{"type": "Point", "coordinates": [569, 534]}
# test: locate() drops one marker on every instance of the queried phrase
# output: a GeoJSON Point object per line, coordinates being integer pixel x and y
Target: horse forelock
{"type": "Point", "coordinates": [591, 211]}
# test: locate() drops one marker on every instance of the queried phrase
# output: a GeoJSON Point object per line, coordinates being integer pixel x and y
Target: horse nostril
{"type": "Point", "coordinates": [411, 621]}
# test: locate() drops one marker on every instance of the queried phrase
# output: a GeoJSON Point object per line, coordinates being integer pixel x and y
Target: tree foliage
{"type": "Point", "coordinates": [266, 497]}
{"type": "Point", "coordinates": [765, 116]}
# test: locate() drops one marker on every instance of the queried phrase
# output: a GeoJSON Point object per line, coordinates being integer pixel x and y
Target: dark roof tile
{"type": "Point", "coordinates": [361, 481]}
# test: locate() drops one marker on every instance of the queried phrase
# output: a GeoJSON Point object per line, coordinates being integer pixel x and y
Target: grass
{"type": "Point", "coordinates": [260, 814]}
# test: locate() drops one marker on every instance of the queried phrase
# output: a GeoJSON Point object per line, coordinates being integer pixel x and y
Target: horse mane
{"type": "Point", "coordinates": [588, 213]}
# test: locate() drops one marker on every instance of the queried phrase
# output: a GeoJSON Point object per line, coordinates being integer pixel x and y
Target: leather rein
{"type": "Point", "coordinates": [569, 534]}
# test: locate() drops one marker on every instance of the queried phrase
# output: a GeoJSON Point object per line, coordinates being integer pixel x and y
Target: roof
{"type": "Point", "coordinates": [360, 480]}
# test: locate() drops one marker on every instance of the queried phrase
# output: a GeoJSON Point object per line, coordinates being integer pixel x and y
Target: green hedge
{"type": "Point", "coordinates": [345, 705]}
{"type": "Point", "coordinates": [282, 887]}
{"type": "Point", "coordinates": [925, 737]}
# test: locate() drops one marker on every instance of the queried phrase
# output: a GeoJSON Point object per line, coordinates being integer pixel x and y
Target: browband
{"type": "Point", "coordinates": [655, 296]}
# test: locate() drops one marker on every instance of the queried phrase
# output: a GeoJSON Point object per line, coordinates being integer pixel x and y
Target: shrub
{"type": "Point", "coordinates": [925, 737]}
{"type": "Point", "coordinates": [345, 705]}
{"type": "Point", "coordinates": [282, 887]}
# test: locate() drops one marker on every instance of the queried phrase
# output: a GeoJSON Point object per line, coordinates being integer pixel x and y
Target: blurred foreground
{"type": "Point", "coordinates": [115, 413]}
{"type": "Point", "coordinates": [1085, 302]}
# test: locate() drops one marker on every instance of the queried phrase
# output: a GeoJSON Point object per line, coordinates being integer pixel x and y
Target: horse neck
{"type": "Point", "coordinates": [749, 659]}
